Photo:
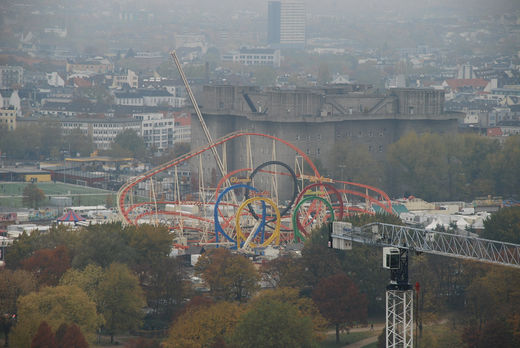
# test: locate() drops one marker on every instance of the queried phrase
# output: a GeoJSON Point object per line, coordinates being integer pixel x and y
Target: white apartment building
{"type": "Point", "coordinates": [157, 129]}
{"type": "Point", "coordinates": [254, 56]}
{"type": "Point", "coordinates": [148, 97]}
{"type": "Point", "coordinates": [103, 131]}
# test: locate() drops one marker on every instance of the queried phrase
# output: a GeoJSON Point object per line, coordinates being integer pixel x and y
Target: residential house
{"type": "Point", "coordinates": [8, 118]}
{"type": "Point", "coordinates": [10, 98]}
{"type": "Point", "coordinates": [55, 80]}
{"type": "Point", "coordinates": [97, 65]}
{"type": "Point", "coordinates": [454, 86]}
{"type": "Point", "coordinates": [11, 76]}
{"type": "Point", "coordinates": [128, 78]}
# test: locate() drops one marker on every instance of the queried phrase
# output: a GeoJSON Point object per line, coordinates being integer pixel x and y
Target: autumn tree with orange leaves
{"type": "Point", "coordinates": [340, 301]}
{"type": "Point", "coordinates": [48, 265]}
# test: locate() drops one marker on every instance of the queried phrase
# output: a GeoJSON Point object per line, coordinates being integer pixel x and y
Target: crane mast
{"type": "Point", "coordinates": [220, 164]}
{"type": "Point", "coordinates": [397, 241]}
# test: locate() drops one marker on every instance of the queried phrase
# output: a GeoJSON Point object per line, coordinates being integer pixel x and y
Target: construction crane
{"type": "Point", "coordinates": [220, 164]}
{"type": "Point", "coordinates": [397, 242]}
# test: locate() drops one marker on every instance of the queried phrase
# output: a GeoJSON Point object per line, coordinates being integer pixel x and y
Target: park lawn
{"type": "Point", "coordinates": [81, 195]}
{"type": "Point", "coordinates": [330, 339]}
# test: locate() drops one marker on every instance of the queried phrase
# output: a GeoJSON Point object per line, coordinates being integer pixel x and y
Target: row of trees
{"type": "Point", "coordinates": [436, 166]}
{"type": "Point", "coordinates": [103, 276]}
{"type": "Point", "coordinates": [43, 140]}
{"type": "Point", "coordinates": [99, 276]}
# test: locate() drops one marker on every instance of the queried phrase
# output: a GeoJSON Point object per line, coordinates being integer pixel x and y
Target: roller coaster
{"type": "Point", "coordinates": [246, 208]}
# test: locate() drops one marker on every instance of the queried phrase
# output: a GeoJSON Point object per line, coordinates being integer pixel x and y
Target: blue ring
{"type": "Point", "coordinates": [218, 227]}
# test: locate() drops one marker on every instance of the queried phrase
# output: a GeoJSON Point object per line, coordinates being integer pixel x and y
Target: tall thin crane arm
{"type": "Point", "coordinates": [431, 242]}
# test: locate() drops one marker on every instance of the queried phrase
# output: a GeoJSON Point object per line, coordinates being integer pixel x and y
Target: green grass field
{"type": "Point", "coordinates": [11, 193]}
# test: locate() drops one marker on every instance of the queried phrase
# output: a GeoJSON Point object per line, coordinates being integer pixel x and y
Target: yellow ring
{"type": "Point", "coordinates": [276, 233]}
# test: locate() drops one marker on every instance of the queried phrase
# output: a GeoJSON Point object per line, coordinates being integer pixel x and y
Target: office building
{"type": "Point", "coordinates": [286, 24]}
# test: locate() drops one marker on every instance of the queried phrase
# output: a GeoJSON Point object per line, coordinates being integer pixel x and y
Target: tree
{"type": "Point", "coordinates": [70, 337]}
{"type": "Point", "coordinates": [363, 263]}
{"type": "Point", "coordinates": [340, 302]}
{"type": "Point", "coordinates": [204, 325]}
{"type": "Point", "coordinates": [508, 167]}
{"type": "Point", "coordinates": [87, 280]}
{"type": "Point", "coordinates": [504, 225]}
{"type": "Point", "coordinates": [180, 149]}
{"type": "Point", "coordinates": [78, 143]}
{"type": "Point", "coordinates": [27, 244]}
{"type": "Point", "coordinates": [130, 53]}
{"type": "Point", "coordinates": [44, 338]}
{"type": "Point", "coordinates": [323, 74]}
{"type": "Point", "coordinates": [121, 299]}
{"type": "Point", "coordinates": [419, 164]}
{"type": "Point", "coordinates": [318, 259]}
{"type": "Point", "coordinates": [495, 333]}
{"type": "Point", "coordinates": [149, 243]}
{"type": "Point", "coordinates": [229, 276]}
{"type": "Point", "coordinates": [129, 141]}
{"type": "Point", "coordinates": [48, 265]}
{"type": "Point", "coordinates": [102, 245]}
{"type": "Point", "coordinates": [165, 287]}
{"type": "Point", "coordinates": [55, 305]}
{"type": "Point", "coordinates": [284, 271]}
{"type": "Point", "coordinates": [14, 284]}
{"type": "Point", "coordinates": [32, 196]}
{"type": "Point", "coordinates": [305, 306]}
{"type": "Point", "coordinates": [262, 326]}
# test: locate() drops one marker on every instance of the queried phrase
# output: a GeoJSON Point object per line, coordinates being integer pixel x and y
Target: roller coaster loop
{"type": "Point", "coordinates": [275, 236]}
{"type": "Point", "coordinates": [218, 227]}
{"type": "Point", "coordinates": [294, 193]}
{"type": "Point", "coordinates": [297, 232]}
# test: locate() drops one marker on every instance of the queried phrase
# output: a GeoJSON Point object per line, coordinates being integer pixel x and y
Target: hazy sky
{"type": "Point", "coordinates": [329, 7]}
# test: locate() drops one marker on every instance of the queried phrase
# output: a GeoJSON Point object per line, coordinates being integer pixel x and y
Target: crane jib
{"type": "Point", "coordinates": [432, 242]}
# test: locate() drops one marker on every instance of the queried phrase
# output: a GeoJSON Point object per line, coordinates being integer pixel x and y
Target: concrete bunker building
{"type": "Point", "coordinates": [316, 119]}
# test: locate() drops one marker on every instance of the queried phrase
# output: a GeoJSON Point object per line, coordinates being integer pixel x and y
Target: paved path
{"type": "Point", "coordinates": [359, 344]}
{"type": "Point", "coordinates": [362, 343]}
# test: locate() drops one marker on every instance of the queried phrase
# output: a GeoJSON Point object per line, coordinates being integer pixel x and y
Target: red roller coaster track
{"type": "Point", "coordinates": [378, 196]}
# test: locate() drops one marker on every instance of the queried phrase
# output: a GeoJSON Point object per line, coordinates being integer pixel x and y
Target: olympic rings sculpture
{"type": "Point", "coordinates": [295, 186]}
{"type": "Point", "coordinates": [218, 226]}
{"type": "Point", "coordinates": [297, 232]}
{"type": "Point", "coordinates": [275, 236]}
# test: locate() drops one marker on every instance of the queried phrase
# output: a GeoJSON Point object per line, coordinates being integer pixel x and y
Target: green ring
{"type": "Point", "coordinates": [295, 225]}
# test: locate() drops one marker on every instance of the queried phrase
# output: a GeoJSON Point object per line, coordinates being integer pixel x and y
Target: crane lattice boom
{"type": "Point", "coordinates": [432, 242]}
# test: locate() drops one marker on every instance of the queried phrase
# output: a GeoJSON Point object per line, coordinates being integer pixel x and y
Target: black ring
{"type": "Point", "coordinates": [295, 188]}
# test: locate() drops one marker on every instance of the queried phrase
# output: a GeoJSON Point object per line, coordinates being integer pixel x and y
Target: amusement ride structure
{"type": "Point", "coordinates": [246, 209]}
